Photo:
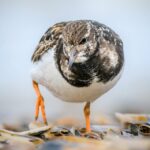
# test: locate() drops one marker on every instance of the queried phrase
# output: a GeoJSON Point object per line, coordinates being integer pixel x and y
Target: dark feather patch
{"type": "Point", "coordinates": [48, 40]}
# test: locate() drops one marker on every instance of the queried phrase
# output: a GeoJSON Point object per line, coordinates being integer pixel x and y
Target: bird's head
{"type": "Point", "coordinates": [79, 42]}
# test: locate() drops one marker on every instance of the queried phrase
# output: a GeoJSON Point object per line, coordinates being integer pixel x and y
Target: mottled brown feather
{"type": "Point", "coordinates": [48, 40]}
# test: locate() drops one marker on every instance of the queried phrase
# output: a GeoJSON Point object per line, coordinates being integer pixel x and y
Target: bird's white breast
{"type": "Point", "coordinates": [45, 73]}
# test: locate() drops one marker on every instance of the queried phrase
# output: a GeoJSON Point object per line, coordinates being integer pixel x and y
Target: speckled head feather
{"type": "Point", "coordinates": [79, 39]}
{"type": "Point", "coordinates": [74, 32]}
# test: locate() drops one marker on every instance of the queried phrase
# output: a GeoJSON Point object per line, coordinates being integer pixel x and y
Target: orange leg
{"type": "Point", "coordinates": [39, 103]}
{"type": "Point", "coordinates": [87, 116]}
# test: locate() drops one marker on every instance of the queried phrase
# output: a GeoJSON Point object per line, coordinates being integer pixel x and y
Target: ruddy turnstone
{"type": "Point", "coordinates": [77, 61]}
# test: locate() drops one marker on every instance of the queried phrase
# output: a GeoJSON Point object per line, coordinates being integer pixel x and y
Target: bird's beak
{"type": "Point", "coordinates": [73, 56]}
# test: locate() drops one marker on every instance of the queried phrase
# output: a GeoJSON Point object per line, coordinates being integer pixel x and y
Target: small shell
{"type": "Point", "coordinates": [36, 131]}
{"type": "Point", "coordinates": [133, 130]}
{"type": "Point", "coordinates": [93, 134]}
{"type": "Point", "coordinates": [145, 129]}
{"type": "Point", "coordinates": [132, 118]}
{"type": "Point", "coordinates": [9, 135]}
{"type": "Point", "coordinates": [60, 131]}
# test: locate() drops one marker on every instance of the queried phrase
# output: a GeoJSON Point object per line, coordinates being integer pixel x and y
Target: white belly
{"type": "Point", "coordinates": [46, 74]}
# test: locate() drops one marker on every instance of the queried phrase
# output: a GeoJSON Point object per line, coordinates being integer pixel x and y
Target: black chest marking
{"type": "Point", "coordinates": [83, 74]}
{"type": "Point", "coordinates": [80, 75]}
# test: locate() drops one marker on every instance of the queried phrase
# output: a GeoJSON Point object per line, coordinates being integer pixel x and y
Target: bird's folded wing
{"type": "Point", "coordinates": [48, 40]}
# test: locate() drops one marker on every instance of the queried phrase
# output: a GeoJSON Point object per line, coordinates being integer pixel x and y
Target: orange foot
{"type": "Point", "coordinates": [87, 116]}
{"type": "Point", "coordinates": [39, 103]}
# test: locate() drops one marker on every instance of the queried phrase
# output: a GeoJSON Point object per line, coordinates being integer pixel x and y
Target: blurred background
{"type": "Point", "coordinates": [23, 22]}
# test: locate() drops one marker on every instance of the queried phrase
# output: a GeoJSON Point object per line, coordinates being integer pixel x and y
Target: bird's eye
{"type": "Point", "coordinates": [83, 41]}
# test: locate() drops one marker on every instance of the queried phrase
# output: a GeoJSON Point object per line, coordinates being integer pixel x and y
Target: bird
{"type": "Point", "coordinates": [77, 61]}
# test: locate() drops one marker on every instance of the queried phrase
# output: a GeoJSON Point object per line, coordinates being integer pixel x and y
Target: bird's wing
{"type": "Point", "coordinates": [110, 49]}
{"type": "Point", "coordinates": [48, 40]}
{"type": "Point", "coordinates": [108, 39]}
